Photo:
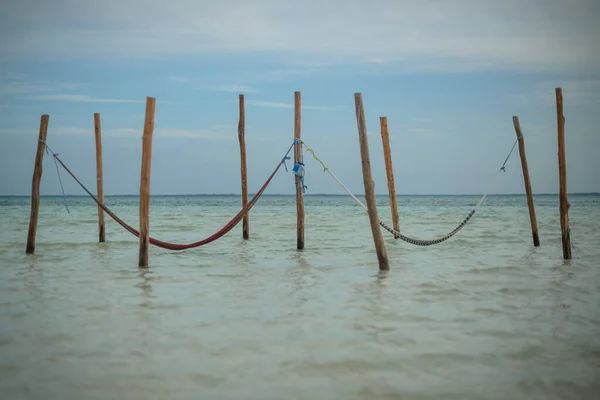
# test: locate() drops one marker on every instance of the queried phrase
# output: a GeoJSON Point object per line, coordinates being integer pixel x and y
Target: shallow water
{"type": "Point", "coordinates": [483, 315]}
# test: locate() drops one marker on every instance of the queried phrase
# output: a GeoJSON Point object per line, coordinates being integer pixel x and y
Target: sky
{"type": "Point", "coordinates": [448, 74]}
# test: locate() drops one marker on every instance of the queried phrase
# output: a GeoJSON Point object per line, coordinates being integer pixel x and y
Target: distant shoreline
{"type": "Point", "coordinates": [306, 195]}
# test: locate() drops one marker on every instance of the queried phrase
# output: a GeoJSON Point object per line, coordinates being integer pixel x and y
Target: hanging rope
{"type": "Point", "coordinates": [398, 235]}
{"type": "Point", "coordinates": [50, 152]}
{"type": "Point", "coordinates": [511, 150]}
{"type": "Point", "coordinates": [174, 246]}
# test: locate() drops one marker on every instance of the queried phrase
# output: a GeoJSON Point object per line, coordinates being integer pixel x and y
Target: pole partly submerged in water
{"type": "Point", "coordinates": [562, 169]}
{"type": "Point", "coordinates": [389, 171]}
{"type": "Point", "coordinates": [35, 184]}
{"type": "Point", "coordinates": [242, 139]}
{"type": "Point", "coordinates": [298, 158]}
{"type": "Point", "coordinates": [99, 179]}
{"type": "Point", "coordinates": [145, 182]}
{"type": "Point", "coordinates": [369, 184]}
{"type": "Point", "coordinates": [533, 219]}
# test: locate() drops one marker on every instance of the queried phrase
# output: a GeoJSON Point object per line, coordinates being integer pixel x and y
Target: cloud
{"type": "Point", "coordinates": [211, 134]}
{"type": "Point", "coordinates": [375, 60]}
{"type": "Point", "coordinates": [452, 35]}
{"type": "Point", "coordinates": [271, 104]}
{"type": "Point", "coordinates": [575, 93]}
{"type": "Point", "coordinates": [285, 74]}
{"type": "Point", "coordinates": [79, 98]}
{"type": "Point", "coordinates": [277, 104]}
{"type": "Point", "coordinates": [215, 132]}
{"type": "Point", "coordinates": [16, 84]}
{"type": "Point", "coordinates": [224, 128]}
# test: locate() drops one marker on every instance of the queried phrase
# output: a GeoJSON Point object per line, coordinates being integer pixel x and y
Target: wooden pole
{"type": "Point", "coordinates": [242, 139]}
{"type": "Point", "coordinates": [145, 182]}
{"type": "Point", "coordinates": [369, 184]}
{"type": "Point", "coordinates": [99, 180]}
{"type": "Point", "coordinates": [298, 157]}
{"type": "Point", "coordinates": [562, 169]}
{"type": "Point", "coordinates": [534, 228]}
{"type": "Point", "coordinates": [389, 171]}
{"type": "Point", "coordinates": [35, 184]}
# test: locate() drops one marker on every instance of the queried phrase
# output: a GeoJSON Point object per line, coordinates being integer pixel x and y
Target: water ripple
{"type": "Point", "coordinates": [483, 315]}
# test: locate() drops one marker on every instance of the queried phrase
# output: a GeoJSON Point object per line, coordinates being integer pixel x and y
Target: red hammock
{"type": "Point", "coordinates": [175, 246]}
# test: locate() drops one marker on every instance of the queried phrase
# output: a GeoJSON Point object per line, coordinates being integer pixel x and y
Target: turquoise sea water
{"type": "Point", "coordinates": [483, 315]}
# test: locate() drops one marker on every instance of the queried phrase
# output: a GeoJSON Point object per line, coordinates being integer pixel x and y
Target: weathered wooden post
{"type": "Point", "coordinates": [562, 169]}
{"type": "Point", "coordinates": [99, 180]}
{"type": "Point", "coordinates": [369, 184]}
{"type": "Point", "coordinates": [389, 171]}
{"type": "Point", "coordinates": [242, 139]}
{"type": "Point", "coordinates": [145, 182]}
{"type": "Point", "coordinates": [298, 157]}
{"type": "Point", "coordinates": [35, 185]}
{"type": "Point", "coordinates": [521, 139]}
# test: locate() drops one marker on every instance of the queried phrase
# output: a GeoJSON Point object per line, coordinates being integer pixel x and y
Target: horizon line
{"type": "Point", "coordinates": [305, 194]}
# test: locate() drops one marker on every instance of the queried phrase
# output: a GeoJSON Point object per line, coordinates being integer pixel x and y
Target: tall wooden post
{"type": "Point", "coordinates": [298, 157]}
{"type": "Point", "coordinates": [35, 184]}
{"type": "Point", "coordinates": [99, 180]}
{"type": "Point", "coordinates": [389, 171]}
{"type": "Point", "coordinates": [562, 169]}
{"type": "Point", "coordinates": [145, 182]}
{"type": "Point", "coordinates": [534, 228]}
{"type": "Point", "coordinates": [369, 184]}
{"type": "Point", "coordinates": [242, 139]}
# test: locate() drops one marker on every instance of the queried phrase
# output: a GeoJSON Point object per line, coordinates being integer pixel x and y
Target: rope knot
{"type": "Point", "coordinates": [284, 164]}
